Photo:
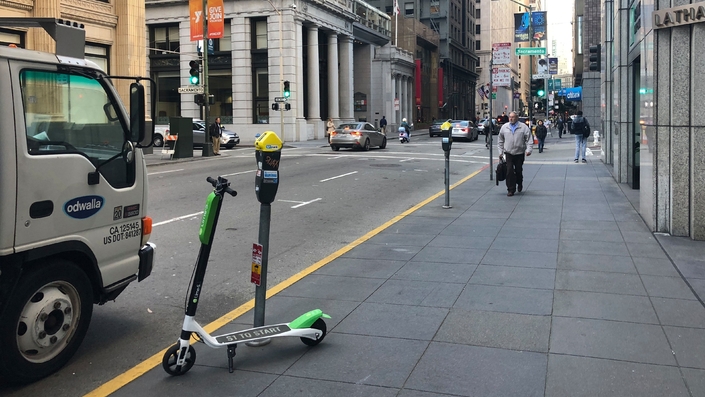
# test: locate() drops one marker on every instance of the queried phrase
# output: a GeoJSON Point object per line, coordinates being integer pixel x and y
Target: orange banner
{"type": "Point", "coordinates": [216, 21]}
{"type": "Point", "coordinates": [196, 17]}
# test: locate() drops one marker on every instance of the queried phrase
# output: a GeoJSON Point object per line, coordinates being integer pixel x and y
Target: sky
{"type": "Point", "coordinates": [560, 15]}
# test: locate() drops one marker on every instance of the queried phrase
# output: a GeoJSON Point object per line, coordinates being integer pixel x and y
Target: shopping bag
{"type": "Point", "coordinates": [501, 171]}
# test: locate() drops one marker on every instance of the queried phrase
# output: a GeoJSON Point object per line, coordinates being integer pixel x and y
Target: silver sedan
{"type": "Point", "coordinates": [357, 136]}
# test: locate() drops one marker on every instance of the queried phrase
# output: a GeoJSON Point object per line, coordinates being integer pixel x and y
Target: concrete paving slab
{"type": "Point", "coordinates": [602, 306]}
{"type": "Point", "coordinates": [591, 235]}
{"type": "Point", "coordinates": [596, 262]}
{"type": "Point", "coordinates": [512, 258]}
{"type": "Point", "coordinates": [695, 379]}
{"type": "Point", "coordinates": [462, 241]}
{"type": "Point", "coordinates": [394, 321]}
{"type": "Point", "coordinates": [449, 255]}
{"type": "Point", "coordinates": [591, 247]}
{"type": "Point", "coordinates": [420, 293]}
{"type": "Point", "coordinates": [633, 226]}
{"type": "Point", "coordinates": [362, 360]}
{"type": "Point", "coordinates": [526, 245]}
{"type": "Point", "coordinates": [437, 272]}
{"type": "Point", "coordinates": [698, 286]}
{"type": "Point", "coordinates": [531, 216]}
{"type": "Point", "coordinates": [536, 224]}
{"type": "Point", "coordinates": [688, 345]}
{"type": "Point", "coordinates": [391, 252]}
{"type": "Point", "coordinates": [316, 286]}
{"type": "Point", "coordinates": [655, 267]}
{"type": "Point", "coordinates": [416, 393]}
{"type": "Point", "coordinates": [523, 232]}
{"type": "Point", "coordinates": [493, 329]}
{"type": "Point", "coordinates": [692, 268]}
{"type": "Point", "coordinates": [679, 312]}
{"type": "Point", "coordinates": [514, 276]}
{"type": "Point", "coordinates": [474, 214]}
{"type": "Point", "coordinates": [648, 250]}
{"type": "Point", "coordinates": [506, 299]}
{"type": "Point", "coordinates": [592, 281]}
{"type": "Point", "coordinates": [667, 287]}
{"type": "Point", "coordinates": [365, 268]}
{"type": "Point", "coordinates": [582, 217]}
{"type": "Point", "coordinates": [474, 223]}
{"type": "Point", "coordinates": [638, 237]}
{"type": "Point", "coordinates": [283, 309]}
{"type": "Point", "coordinates": [471, 230]}
{"type": "Point", "coordinates": [594, 225]}
{"type": "Point", "coordinates": [396, 239]}
{"type": "Point", "coordinates": [295, 387]}
{"type": "Point", "coordinates": [592, 377]}
{"type": "Point", "coordinates": [642, 343]}
{"type": "Point", "coordinates": [479, 371]}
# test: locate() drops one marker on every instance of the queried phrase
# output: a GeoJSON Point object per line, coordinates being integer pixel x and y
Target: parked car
{"type": "Point", "coordinates": [435, 128]}
{"type": "Point", "coordinates": [228, 139]}
{"type": "Point", "coordinates": [357, 136]}
{"type": "Point", "coordinates": [464, 129]}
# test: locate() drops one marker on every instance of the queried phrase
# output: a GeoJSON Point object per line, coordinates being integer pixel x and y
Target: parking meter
{"type": "Point", "coordinates": [446, 140]}
{"type": "Point", "coordinates": [268, 154]}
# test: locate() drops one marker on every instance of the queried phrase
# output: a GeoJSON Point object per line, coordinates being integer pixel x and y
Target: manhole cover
{"type": "Point", "coordinates": [385, 165]}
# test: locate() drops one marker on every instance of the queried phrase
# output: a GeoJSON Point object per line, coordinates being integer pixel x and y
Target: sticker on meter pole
{"type": "Point", "coordinates": [270, 176]}
{"type": "Point", "coordinates": [256, 277]}
{"type": "Point", "coordinates": [445, 139]}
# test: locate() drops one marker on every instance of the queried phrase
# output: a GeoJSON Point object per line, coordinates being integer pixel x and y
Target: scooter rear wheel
{"type": "Point", "coordinates": [319, 325]}
{"type": "Point", "coordinates": [171, 357]}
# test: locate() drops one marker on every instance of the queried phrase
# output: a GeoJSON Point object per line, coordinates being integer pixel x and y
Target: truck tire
{"type": "Point", "coordinates": [158, 140]}
{"type": "Point", "coordinates": [45, 321]}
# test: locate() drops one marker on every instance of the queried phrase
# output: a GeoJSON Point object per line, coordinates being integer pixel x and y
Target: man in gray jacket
{"type": "Point", "coordinates": [515, 141]}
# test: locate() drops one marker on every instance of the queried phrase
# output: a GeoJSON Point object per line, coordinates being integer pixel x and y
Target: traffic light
{"type": "Point", "coordinates": [596, 57]}
{"type": "Point", "coordinates": [287, 89]}
{"type": "Point", "coordinates": [287, 106]}
{"type": "Point", "coordinates": [199, 99]}
{"type": "Point", "coordinates": [537, 88]}
{"type": "Point", "coordinates": [194, 72]}
{"type": "Point", "coordinates": [275, 106]}
{"type": "Point", "coordinates": [541, 92]}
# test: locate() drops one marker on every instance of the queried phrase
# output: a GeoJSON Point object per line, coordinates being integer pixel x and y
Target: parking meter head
{"type": "Point", "coordinates": [268, 155]}
{"type": "Point", "coordinates": [268, 141]}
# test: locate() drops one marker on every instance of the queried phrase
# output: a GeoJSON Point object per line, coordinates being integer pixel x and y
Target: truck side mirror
{"type": "Point", "coordinates": [137, 113]}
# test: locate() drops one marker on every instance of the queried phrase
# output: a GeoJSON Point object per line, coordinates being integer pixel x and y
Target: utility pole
{"type": "Point", "coordinates": [207, 145]}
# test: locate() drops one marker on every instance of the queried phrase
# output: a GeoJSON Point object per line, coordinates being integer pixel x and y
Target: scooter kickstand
{"type": "Point", "coordinates": [231, 355]}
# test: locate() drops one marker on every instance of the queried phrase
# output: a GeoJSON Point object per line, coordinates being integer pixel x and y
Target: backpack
{"type": "Point", "coordinates": [581, 127]}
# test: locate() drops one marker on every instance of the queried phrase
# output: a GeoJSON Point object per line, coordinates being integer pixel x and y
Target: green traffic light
{"type": "Point", "coordinates": [194, 79]}
{"type": "Point", "coordinates": [541, 93]}
{"type": "Point", "coordinates": [287, 94]}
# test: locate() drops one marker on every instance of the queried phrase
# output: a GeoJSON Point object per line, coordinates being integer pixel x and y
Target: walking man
{"type": "Point", "coordinates": [383, 125]}
{"type": "Point", "coordinates": [215, 133]}
{"type": "Point", "coordinates": [560, 126]}
{"type": "Point", "coordinates": [514, 142]}
{"type": "Point", "coordinates": [541, 133]}
{"type": "Point", "coordinates": [581, 128]}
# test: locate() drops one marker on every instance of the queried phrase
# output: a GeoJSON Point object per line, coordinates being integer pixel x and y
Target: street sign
{"type": "Point", "coordinates": [501, 77]}
{"type": "Point", "coordinates": [530, 51]}
{"type": "Point", "coordinates": [256, 274]}
{"type": "Point", "coordinates": [279, 99]}
{"type": "Point", "coordinates": [541, 76]}
{"type": "Point", "coordinates": [501, 53]}
{"type": "Point", "coordinates": [191, 89]}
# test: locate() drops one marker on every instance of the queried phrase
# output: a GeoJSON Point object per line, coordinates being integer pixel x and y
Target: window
{"type": "Point", "coordinates": [8, 37]}
{"type": "Point", "coordinates": [73, 114]}
{"type": "Point", "coordinates": [99, 54]}
{"type": "Point", "coordinates": [260, 72]}
{"type": "Point", "coordinates": [477, 13]}
{"type": "Point", "coordinates": [477, 29]}
{"type": "Point", "coordinates": [260, 34]}
{"type": "Point", "coordinates": [408, 9]}
{"type": "Point", "coordinates": [164, 38]}
{"type": "Point", "coordinates": [477, 45]}
{"type": "Point", "coordinates": [224, 43]}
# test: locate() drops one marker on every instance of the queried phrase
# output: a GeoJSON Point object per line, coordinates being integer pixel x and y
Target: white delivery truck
{"type": "Point", "coordinates": [73, 198]}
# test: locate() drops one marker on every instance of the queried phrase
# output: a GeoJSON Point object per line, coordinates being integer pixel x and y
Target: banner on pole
{"type": "Point", "coordinates": [522, 20]}
{"type": "Point", "coordinates": [552, 65]}
{"type": "Point", "coordinates": [216, 22]}
{"type": "Point", "coordinates": [195, 8]}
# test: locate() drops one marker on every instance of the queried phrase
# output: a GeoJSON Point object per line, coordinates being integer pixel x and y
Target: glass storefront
{"type": "Point", "coordinates": [168, 98]}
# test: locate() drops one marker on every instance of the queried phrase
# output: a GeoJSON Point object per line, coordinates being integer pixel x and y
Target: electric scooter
{"type": "Point", "coordinates": [179, 358]}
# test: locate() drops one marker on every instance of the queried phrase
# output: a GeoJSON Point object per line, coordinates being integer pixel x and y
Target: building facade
{"type": "Point", "coordinates": [587, 32]}
{"type": "Point", "coordinates": [336, 54]}
{"type": "Point", "coordinates": [653, 122]}
{"type": "Point", "coordinates": [114, 32]}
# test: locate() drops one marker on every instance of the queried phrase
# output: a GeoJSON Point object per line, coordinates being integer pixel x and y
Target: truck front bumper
{"type": "Point", "coordinates": [146, 260]}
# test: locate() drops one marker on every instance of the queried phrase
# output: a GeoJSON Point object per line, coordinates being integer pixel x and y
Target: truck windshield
{"type": "Point", "coordinates": [73, 114]}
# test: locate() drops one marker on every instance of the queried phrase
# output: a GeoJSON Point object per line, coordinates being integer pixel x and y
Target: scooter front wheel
{"type": "Point", "coordinates": [319, 325]}
{"type": "Point", "coordinates": [172, 356]}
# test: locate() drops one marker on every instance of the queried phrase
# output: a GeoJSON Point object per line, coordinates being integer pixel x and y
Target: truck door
{"type": "Point", "coordinates": [68, 124]}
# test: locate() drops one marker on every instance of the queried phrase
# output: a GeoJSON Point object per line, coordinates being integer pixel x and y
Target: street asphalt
{"type": "Point", "coordinates": [560, 290]}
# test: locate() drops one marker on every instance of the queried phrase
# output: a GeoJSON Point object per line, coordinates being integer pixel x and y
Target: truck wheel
{"type": "Point", "coordinates": [157, 140]}
{"type": "Point", "coordinates": [45, 320]}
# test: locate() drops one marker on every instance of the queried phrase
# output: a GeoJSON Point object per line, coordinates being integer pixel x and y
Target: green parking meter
{"type": "Point", "coordinates": [268, 154]}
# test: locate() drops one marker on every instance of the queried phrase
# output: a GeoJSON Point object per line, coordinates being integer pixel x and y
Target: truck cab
{"type": "Point", "coordinates": [74, 228]}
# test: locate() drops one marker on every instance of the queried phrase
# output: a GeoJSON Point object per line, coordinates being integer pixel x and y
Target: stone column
{"type": "Point", "coordinates": [397, 95]}
{"type": "Point", "coordinates": [314, 94]}
{"type": "Point", "coordinates": [130, 37]}
{"type": "Point", "coordinates": [243, 90]}
{"type": "Point", "coordinates": [41, 39]}
{"type": "Point", "coordinates": [299, 69]}
{"type": "Point", "coordinates": [333, 89]}
{"type": "Point", "coordinates": [404, 99]}
{"type": "Point", "coordinates": [346, 78]}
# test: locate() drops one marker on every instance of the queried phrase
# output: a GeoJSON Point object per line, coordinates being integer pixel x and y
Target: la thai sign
{"type": "Point", "coordinates": [677, 16]}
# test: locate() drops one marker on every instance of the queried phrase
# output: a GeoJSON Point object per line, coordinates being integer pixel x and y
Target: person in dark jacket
{"type": "Point", "coordinates": [581, 128]}
{"type": "Point", "coordinates": [383, 125]}
{"type": "Point", "coordinates": [541, 133]}
{"type": "Point", "coordinates": [215, 132]}
{"type": "Point", "coordinates": [560, 126]}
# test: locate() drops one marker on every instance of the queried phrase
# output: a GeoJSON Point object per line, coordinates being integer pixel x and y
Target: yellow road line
{"type": "Point", "coordinates": [145, 366]}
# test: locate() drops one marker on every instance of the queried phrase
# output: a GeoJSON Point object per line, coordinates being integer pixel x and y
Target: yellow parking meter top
{"type": "Point", "coordinates": [269, 142]}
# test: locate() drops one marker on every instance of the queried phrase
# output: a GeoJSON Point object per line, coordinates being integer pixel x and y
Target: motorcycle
{"type": "Point", "coordinates": [403, 135]}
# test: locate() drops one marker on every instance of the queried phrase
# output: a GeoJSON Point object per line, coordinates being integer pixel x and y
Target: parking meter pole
{"type": "Point", "coordinates": [447, 179]}
{"type": "Point", "coordinates": [267, 154]}
{"type": "Point", "coordinates": [446, 144]}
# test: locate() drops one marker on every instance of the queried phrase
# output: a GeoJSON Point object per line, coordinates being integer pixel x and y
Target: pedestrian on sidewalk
{"type": "Point", "coordinates": [383, 125]}
{"type": "Point", "coordinates": [560, 126]}
{"type": "Point", "coordinates": [330, 127]}
{"type": "Point", "coordinates": [215, 132]}
{"type": "Point", "coordinates": [581, 128]}
{"type": "Point", "coordinates": [541, 133]}
{"type": "Point", "coordinates": [514, 142]}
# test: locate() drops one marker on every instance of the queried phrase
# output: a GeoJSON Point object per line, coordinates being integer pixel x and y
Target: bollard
{"type": "Point", "coordinates": [268, 154]}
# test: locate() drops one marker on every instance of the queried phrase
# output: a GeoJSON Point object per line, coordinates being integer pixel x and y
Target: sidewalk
{"type": "Point", "coordinates": [560, 290]}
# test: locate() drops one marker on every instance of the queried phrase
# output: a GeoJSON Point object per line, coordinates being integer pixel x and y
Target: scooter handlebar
{"type": "Point", "coordinates": [224, 183]}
